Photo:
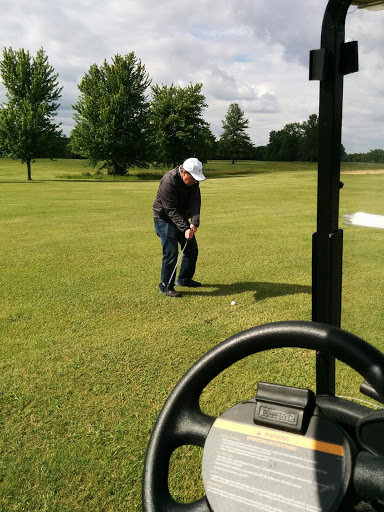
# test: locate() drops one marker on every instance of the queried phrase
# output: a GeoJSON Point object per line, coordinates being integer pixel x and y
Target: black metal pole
{"type": "Point", "coordinates": [327, 65]}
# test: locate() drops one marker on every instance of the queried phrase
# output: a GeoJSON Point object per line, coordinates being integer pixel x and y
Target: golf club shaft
{"type": "Point", "coordinates": [177, 262]}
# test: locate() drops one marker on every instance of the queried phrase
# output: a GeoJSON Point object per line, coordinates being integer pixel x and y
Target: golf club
{"type": "Point", "coordinates": [177, 262]}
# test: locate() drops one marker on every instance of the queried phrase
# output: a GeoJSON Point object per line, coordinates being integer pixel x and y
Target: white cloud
{"type": "Point", "coordinates": [252, 52]}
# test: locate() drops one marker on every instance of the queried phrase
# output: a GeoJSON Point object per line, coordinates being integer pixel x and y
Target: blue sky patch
{"type": "Point", "coordinates": [240, 57]}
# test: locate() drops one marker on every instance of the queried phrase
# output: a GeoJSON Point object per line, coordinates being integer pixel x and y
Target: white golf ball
{"type": "Point", "coordinates": [233, 303]}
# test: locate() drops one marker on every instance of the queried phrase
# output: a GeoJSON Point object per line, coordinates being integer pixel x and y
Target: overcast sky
{"type": "Point", "coordinates": [252, 52]}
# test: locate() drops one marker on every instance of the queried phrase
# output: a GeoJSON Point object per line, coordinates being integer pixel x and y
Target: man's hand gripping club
{"type": "Point", "coordinates": [190, 232]}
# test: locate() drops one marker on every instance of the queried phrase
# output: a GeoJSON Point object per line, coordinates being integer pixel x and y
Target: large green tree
{"type": "Point", "coordinates": [309, 144]}
{"type": "Point", "coordinates": [296, 141]}
{"type": "Point", "coordinates": [112, 115]}
{"type": "Point", "coordinates": [234, 142]}
{"type": "Point", "coordinates": [179, 130]}
{"type": "Point", "coordinates": [284, 144]}
{"type": "Point", "coordinates": [27, 130]}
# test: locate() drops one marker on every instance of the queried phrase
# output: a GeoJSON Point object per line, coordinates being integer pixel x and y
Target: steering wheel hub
{"type": "Point", "coordinates": [248, 467]}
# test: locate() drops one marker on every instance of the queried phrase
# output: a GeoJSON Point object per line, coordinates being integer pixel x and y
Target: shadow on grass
{"type": "Point", "coordinates": [262, 290]}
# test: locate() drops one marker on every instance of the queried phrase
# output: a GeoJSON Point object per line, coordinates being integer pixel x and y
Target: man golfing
{"type": "Point", "coordinates": [178, 199]}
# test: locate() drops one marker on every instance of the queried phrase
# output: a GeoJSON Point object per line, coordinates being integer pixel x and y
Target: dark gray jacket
{"type": "Point", "coordinates": [176, 202]}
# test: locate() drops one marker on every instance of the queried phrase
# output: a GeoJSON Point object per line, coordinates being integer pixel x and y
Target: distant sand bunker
{"type": "Point", "coordinates": [367, 171]}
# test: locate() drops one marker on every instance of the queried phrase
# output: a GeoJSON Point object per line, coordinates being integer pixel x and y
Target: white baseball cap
{"type": "Point", "coordinates": [195, 168]}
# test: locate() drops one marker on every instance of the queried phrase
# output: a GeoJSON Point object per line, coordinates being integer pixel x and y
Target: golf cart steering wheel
{"type": "Point", "coordinates": [280, 428]}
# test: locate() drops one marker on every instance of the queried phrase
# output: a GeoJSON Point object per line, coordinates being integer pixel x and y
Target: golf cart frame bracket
{"type": "Point", "coordinates": [321, 63]}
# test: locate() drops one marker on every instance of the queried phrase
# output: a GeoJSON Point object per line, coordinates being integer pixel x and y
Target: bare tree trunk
{"type": "Point", "coordinates": [29, 169]}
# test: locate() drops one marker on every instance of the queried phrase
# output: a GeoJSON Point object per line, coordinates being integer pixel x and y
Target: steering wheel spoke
{"type": "Point", "coordinates": [192, 429]}
{"type": "Point", "coordinates": [368, 476]}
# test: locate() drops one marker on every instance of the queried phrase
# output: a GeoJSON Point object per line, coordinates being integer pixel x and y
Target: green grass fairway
{"type": "Point", "coordinates": [89, 348]}
{"type": "Point", "coordinates": [48, 170]}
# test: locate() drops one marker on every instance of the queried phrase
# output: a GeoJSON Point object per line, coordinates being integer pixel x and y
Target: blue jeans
{"type": "Point", "coordinates": [170, 237]}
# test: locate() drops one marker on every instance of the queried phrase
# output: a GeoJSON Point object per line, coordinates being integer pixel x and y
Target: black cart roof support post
{"type": "Point", "coordinates": [329, 65]}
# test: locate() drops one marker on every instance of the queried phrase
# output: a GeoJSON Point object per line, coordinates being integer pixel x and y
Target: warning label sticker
{"type": "Point", "coordinates": [279, 437]}
{"type": "Point", "coordinates": [248, 468]}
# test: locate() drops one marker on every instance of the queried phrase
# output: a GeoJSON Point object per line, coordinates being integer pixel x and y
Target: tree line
{"type": "Point", "coordinates": [117, 123]}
